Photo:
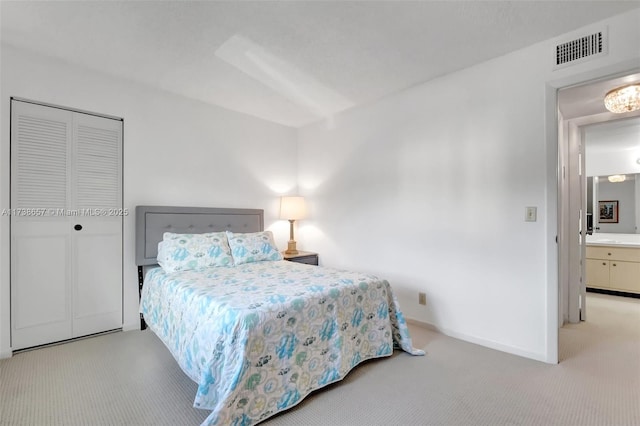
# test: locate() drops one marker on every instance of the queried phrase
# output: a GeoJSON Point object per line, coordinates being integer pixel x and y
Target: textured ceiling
{"type": "Point", "coordinates": [288, 62]}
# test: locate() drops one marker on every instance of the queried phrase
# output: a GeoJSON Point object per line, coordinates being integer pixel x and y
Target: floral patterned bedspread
{"type": "Point", "coordinates": [259, 337]}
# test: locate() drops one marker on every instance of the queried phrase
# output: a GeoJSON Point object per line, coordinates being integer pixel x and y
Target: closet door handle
{"type": "Point", "coordinates": [78, 227]}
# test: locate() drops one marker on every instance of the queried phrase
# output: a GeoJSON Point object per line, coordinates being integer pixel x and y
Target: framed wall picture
{"type": "Point", "coordinates": [608, 211]}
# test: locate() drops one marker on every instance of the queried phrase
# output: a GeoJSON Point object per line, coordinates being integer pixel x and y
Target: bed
{"type": "Point", "coordinates": [257, 333]}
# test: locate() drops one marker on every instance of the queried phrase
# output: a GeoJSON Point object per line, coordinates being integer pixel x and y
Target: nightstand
{"type": "Point", "coordinates": [307, 257]}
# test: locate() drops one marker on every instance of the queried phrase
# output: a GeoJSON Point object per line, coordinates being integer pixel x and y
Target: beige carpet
{"type": "Point", "coordinates": [131, 379]}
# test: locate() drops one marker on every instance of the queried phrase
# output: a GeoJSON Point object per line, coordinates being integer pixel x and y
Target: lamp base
{"type": "Point", "coordinates": [291, 247]}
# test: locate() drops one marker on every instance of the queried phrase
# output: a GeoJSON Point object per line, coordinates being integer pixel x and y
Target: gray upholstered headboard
{"type": "Point", "coordinates": [153, 221]}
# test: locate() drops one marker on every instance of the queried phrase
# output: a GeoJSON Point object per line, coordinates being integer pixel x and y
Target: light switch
{"type": "Point", "coordinates": [530, 214]}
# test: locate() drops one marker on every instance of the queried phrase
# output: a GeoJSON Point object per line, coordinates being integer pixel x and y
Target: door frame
{"type": "Point", "coordinates": [557, 260]}
{"type": "Point", "coordinates": [572, 306]}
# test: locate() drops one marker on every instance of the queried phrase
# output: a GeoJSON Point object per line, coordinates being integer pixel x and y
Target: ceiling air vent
{"type": "Point", "coordinates": [580, 49]}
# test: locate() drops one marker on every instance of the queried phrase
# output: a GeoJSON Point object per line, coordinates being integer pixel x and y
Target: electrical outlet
{"type": "Point", "coordinates": [422, 298]}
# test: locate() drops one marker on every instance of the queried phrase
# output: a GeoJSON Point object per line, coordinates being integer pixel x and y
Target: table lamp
{"type": "Point", "coordinates": [292, 209]}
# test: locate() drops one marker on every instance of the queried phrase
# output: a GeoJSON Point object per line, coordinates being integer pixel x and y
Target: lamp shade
{"type": "Point", "coordinates": [293, 208]}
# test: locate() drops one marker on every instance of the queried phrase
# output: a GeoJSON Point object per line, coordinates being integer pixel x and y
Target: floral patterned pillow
{"type": "Point", "coordinates": [253, 247]}
{"type": "Point", "coordinates": [186, 252]}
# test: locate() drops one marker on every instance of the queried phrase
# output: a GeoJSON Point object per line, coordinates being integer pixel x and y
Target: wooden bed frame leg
{"type": "Point", "coordinates": [143, 324]}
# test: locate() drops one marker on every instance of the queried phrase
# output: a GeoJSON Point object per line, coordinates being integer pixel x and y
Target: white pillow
{"type": "Point", "coordinates": [186, 252]}
{"type": "Point", "coordinates": [252, 247]}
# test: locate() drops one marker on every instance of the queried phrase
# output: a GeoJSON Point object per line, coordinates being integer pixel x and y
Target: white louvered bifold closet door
{"type": "Point", "coordinates": [97, 248]}
{"type": "Point", "coordinates": [40, 243]}
{"type": "Point", "coordinates": [66, 224]}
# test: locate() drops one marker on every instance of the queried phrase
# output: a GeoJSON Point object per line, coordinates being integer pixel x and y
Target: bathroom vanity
{"type": "Point", "coordinates": [613, 263]}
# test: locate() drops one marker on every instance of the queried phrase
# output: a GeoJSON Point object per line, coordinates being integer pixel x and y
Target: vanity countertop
{"type": "Point", "coordinates": [616, 240]}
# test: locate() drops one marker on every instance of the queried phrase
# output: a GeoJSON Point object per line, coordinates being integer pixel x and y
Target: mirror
{"type": "Point", "coordinates": [616, 204]}
{"type": "Point", "coordinates": [612, 149]}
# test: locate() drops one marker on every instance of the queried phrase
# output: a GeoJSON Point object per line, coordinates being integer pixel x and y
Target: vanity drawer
{"type": "Point", "coordinates": [614, 253]}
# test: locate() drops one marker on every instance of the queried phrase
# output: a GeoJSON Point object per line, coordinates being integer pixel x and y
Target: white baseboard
{"type": "Point", "coordinates": [5, 354]}
{"type": "Point", "coordinates": [479, 341]}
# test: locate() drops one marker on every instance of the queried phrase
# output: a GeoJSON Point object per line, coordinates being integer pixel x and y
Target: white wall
{"type": "Point", "coordinates": [611, 163]}
{"type": "Point", "coordinates": [613, 148]}
{"type": "Point", "coordinates": [428, 188]}
{"type": "Point", "coordinates": [176, 152]}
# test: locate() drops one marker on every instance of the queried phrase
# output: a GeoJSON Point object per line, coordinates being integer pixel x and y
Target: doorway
{"type": "Point", "coordinates": [583, 120]}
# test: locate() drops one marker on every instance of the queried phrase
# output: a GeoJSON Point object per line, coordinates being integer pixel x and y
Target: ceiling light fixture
{"type": "Point", "coordinates": [623, 99]}
{"type": "Point", "coordinates": [617, 178]}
